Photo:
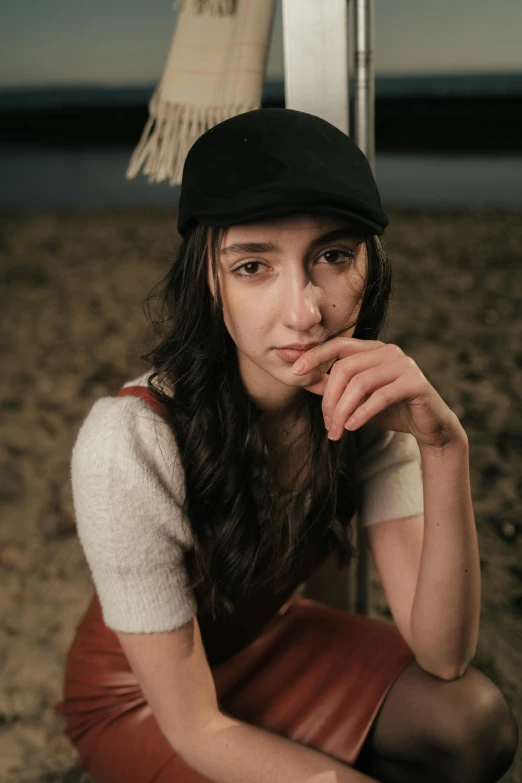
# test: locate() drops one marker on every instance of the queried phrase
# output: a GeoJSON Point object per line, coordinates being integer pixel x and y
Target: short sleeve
{"type": "Point", "coordinates": [390, 472]}
{"type": "Point", "coordinates": [128, 490]}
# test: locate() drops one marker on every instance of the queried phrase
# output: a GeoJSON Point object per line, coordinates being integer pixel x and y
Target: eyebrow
{"type": "Point", "coordinates": [269, 247]}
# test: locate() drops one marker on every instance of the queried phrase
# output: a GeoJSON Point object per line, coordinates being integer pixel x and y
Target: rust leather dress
{"type": "Point", "coordinates": [285, 663]}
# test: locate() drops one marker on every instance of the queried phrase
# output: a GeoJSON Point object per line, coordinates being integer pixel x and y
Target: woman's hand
{"type": "Point", "coordinates": [373, 380]}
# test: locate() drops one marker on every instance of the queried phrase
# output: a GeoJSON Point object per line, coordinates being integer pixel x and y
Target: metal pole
{"type": "Point", "coordinates": [364, 137]}
{"type": "Point", "coordinates": [364, 103]}
{"type": "Point", "coordinates": [348, 68]}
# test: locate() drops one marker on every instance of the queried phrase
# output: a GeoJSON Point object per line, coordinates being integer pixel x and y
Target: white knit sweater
{"type": "Point", "coordinates": [128, 489]}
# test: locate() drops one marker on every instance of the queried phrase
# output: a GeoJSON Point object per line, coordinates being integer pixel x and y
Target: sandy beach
{"type": "Point", "coordinates": [73, 329]}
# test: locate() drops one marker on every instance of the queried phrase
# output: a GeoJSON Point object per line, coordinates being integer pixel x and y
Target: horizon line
{"type": "Point", "coordinates": [268, 79]}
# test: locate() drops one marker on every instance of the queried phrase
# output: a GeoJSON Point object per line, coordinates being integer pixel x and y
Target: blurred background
{"type": "Point", "coordinates": [81, 247]}
{"type": "Point", "coordinates": [75, 79]}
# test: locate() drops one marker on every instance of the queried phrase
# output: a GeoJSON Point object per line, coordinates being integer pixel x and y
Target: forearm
{"type": "Point", "coordinates": [232, 751]}
{"type": "Point", "coordinates": [445, 615]}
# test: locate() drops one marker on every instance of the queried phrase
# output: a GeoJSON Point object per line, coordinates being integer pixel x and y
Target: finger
{"type": "Point", "coordinates": [361, 389]}
{"type": "Point", "coordinates": [347, 368]}
{"type": "Point", "coordinates": [382, 399]}
{"type": "Point", "coordinates": [408, 386]}
{"type": "Point", "coordinates": [337, 348]}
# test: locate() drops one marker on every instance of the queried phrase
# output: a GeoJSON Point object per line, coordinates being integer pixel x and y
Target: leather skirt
{"type": "Point", "coordinates": [314, 674]}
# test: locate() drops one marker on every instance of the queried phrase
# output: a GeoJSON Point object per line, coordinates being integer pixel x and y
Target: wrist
{"type": "Point", "coordinates": [454, 443]}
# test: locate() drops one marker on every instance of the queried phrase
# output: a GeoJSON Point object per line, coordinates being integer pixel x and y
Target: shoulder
{"type": "Point", "coordinates": [128, 491]}
{"type": "Point", "coordinates": [124, 425]}
{"type": "Point", "coordinates": [126, 451]}
{"type": "Point", "coordinates": [125, 421]}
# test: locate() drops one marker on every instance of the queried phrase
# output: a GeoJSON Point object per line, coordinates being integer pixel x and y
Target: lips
{"type": "Point", "coordinates": [298, 347]}
{"type": "Point", "coordinates": [289, 354]}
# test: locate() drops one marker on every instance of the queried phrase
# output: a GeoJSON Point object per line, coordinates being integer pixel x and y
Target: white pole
{"type": "Point", "coordinates": [315, 49]}
{"type": "Point", "coordinates": [316, 68]}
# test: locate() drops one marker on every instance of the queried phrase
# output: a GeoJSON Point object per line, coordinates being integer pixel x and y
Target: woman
{"type": "Point", "coordinates": [210, 488]}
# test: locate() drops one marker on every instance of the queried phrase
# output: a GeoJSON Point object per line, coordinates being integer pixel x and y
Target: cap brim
{"type": "Point", "coordinates": [362, 226]}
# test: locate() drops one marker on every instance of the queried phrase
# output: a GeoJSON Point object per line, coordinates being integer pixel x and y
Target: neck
{"type": "Point", "coordinates": [282, 427]}
{"type": "Point", "coordinates": [283, 417]}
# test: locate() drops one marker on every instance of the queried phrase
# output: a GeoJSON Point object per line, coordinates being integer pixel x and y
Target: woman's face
{"type": "Point", "coordinates": [287, 280]}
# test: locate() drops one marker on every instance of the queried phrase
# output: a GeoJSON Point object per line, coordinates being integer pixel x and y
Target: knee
{"type": "Point", "coordinates": [481, 731]}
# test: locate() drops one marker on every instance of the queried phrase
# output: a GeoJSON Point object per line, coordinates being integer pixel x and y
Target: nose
{"type": "Point", "coordinates": [300, 302]}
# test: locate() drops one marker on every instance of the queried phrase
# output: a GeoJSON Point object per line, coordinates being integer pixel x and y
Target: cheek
{"type": "Point", "coordinates": [248, 322]}
{"type": "Point", "coordinates": [347, 298]}
{"type": "Point", "coordinates": [340, 305]}
{"type": "Point", "coordinates": [238, 315]}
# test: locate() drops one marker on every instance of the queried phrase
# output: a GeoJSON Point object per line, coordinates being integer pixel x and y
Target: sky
{"type": "Point", "coordinates": [125, 42]}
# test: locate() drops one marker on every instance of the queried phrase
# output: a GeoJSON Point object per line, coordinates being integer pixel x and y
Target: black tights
{"type": "Point", "coordinates": [428, 729]}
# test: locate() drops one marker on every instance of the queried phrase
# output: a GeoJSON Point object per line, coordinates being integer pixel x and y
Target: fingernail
{"type": "Point", "coordinates": [298, 366]}
{"type": "Point", "coordinates": [333, 433]}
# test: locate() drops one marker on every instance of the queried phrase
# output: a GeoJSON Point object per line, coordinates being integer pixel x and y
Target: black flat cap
{"type": "Point", "coordinates": [272, 162]}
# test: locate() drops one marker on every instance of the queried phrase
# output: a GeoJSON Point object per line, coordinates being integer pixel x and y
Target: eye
{"type": "Point", "coordinates": [245, 265]}
{"type": "Point", "coordinates": [348, 256]}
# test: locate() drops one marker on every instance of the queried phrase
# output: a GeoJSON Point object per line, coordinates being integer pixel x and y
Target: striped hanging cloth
{"type": "Point", "coordinates": [214, 70]}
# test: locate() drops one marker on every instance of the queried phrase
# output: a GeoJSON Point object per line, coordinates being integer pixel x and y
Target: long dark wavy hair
{"type": "Point", "coordinates": [245, 536]}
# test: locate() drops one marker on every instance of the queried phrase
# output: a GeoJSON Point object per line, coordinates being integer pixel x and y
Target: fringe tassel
{"type": "Point", "coordinates": [171, 130]}
{"type": "Point", "coordinates": [211, 7]}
